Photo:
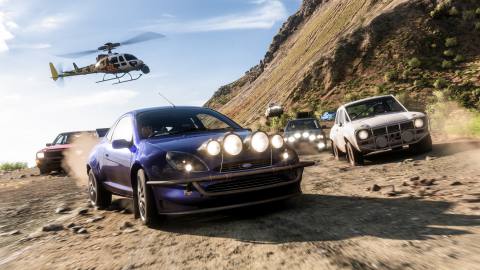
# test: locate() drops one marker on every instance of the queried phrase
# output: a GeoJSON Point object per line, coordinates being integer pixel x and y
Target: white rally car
{"type": "Point", "coordinates": [377, 124]}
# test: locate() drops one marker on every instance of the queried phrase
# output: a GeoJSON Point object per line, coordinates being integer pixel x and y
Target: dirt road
{"type": "Point", "coordinates": [396, 212]}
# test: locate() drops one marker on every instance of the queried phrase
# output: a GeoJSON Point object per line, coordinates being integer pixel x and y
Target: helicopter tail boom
{"type": "Point", "coordinates": [54, 72]}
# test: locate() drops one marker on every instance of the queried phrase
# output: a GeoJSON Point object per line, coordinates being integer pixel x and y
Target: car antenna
{"type": "Point", "coordinates": [160, 94]}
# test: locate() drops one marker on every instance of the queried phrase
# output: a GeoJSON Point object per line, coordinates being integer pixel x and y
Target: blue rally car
{"type": "Point", "coordinates": [181, 160]}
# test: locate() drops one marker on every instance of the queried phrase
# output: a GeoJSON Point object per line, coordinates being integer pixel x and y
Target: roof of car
{"type": "Point", "coordinates": [166, 108]}
{"type": "Point", "coordinates": [301, 119]}
{"type": "Point", "coordinates": [365, 99]}
{"type": "Point", "coordinates": [76, 132]}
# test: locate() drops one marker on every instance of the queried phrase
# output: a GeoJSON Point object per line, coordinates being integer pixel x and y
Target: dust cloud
{"type": "Point", "coordinates": [75, 158]}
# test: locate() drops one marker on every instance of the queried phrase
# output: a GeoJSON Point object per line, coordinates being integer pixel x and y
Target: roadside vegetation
{"type": "Point", "coordinates": [12, 166]}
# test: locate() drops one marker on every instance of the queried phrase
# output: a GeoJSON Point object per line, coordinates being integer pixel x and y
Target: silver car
{"type": "Point", "coordinates": [377, 124]}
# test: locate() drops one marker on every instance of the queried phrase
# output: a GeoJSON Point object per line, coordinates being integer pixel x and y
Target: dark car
{"type": "Point", "coordinates": [305, 134]}
{"type": "Point", "coordinates": [50, 158]}
{"type": "Point", "coordinates": [181, 160]}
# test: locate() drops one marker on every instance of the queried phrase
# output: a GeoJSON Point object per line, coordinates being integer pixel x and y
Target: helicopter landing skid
{"type": "Point", "coordinates": [118, 78]}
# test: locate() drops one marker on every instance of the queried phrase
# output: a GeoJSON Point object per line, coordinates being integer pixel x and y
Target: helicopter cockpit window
{"type": "Point", "coordinates": [121, 58]}
{"type": "Point", "coordinates": [113, 60]}
{"type": "Point", "coordinates": [130, 57]}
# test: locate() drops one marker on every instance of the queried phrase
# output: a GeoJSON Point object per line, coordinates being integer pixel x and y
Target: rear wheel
{"type": "Point", "coordinates": [355, 157]}
{"type": "Point", "coordinates": [98, 195]}
{"type": "Point", "coordinates": [147, 211]}
{"type": "Point", "coordinates": [423, 146]}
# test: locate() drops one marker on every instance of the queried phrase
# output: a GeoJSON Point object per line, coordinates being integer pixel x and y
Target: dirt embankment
{"type": "Point", "coordinates": [396, 212]}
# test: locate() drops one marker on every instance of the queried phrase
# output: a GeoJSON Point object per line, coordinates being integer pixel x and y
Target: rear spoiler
{"type": "Point", "coordinates": [101, 132]}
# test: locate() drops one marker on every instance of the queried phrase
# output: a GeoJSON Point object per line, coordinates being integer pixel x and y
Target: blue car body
{"type": "Point", "coordinates": [226, 182]}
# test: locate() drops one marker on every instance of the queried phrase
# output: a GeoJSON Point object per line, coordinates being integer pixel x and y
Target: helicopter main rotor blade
{"type": "Point", "coordinates": [77, 54]}
{"type": "Point", "coordinates": [142, 38]}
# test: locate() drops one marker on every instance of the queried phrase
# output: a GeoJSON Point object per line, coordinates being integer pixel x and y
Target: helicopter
{"type": "Point", "coordinates": [118, 65]}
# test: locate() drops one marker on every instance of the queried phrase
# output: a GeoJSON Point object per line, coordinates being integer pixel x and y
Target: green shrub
{"type": "Point", "coordinates": [447, 64]}
{"type": "Point", "coordinates": [381, 89]}
{"type": "Point", "coordinates": [468, 15]}
{"type": "Point", "coordinates": [433, 45]}
{"type": "Point", "coordinates": [451, 42]}
{"type": "Point", "coordinates": [449, 53]}
{"type": "Point", "coordinates": [477, 11]}
{"type": "Point", "coordinates": [414, 62]}
{"type": "Point", "coordinates": [440, 9]}
{"type": "Point", "coordinates": [420, 83]}
{"type": "Point", "coordinates": [440, 83]}
{"type": "Point", "coordinates": [477, 26]}
{"type": "Point", "coordinates": [11, 166]}
{"type": "Point", "coordinates": [459, 58]}
{"type": "Point", "coordinates": [390, 76]}
{"type": "Point", "coordinates": [453, 11]}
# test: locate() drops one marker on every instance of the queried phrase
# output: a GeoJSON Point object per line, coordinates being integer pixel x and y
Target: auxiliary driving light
{"type": "Point", "coordinates": [321, 145]}
{"type": "Point", "coordinates": [277, 141]}
{"type": "Point", "coordinates": [363, 134]}
{"type": "Point", "coordinates": [260, 141]}
{"type": "Point", "coordinates": [320, 136]}
{"type": "Point", "coordinates": [232, 144]}
{"type": "Point", "coordinates": [305, 135]}
{"type": "Point", "coordinates": [40, 155]}
{"type": "Point", "coordinates": [312, 138]}
{"type": "Point", "coordinates": [291, 139]}
{"type": "Point", "coordinates": [188, 167]}
{"type": "Point", "coordinates": [213, 148]}
{"type": "Point", "coordinates": [418, 123]}
{"type": "Point", "coordinates": [297, 135]}
{"type": "Point", "coordinates": [285, 155]}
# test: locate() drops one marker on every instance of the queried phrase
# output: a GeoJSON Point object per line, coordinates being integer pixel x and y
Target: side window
{"type": "Point", "coordinates": [114, 60]}
{"type": "Point", "coordinates": [58, 140]}
{"type": "Point", "coordinates": [121, 58]}
{"type": "Point", "coordinates": [123, 130]}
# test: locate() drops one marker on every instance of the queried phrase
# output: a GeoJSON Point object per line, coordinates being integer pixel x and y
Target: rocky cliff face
{"type": "Point", "coordinates": [334, 51]}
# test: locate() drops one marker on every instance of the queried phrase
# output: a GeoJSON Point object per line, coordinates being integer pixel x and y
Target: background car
{"type": "Point", "coordinates": [378, 124]}
{"type": "Point", "coordinates": [181, 160]}
{"type": "Point", "coordinates": [274, 110]}
{"type": "Point", "coordinates": [50, 158]}
{"type": "Point", "coordinates": [305, 134]}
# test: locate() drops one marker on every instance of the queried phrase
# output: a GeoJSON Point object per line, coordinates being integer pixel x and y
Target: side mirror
{"type": "Point", "coordinates": [48, 144]}
{"type": "Point", "coordinates": [119, 144]}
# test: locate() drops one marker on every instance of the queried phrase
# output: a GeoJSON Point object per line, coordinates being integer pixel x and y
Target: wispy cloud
{"type": "Point", "coordinates": [109, 97]}
{"type": "Point", "coordinates": [263, 16]}
{"type": "Point", "coordinates": [49, 23]}
{"type": "Point", "coordinates": [6, 26]}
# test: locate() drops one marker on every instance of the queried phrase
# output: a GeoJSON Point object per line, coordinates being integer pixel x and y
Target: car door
{"type": "Point", "coordinates": [339, 136]}
{"type": "Point", "coordinates": [118, 161]}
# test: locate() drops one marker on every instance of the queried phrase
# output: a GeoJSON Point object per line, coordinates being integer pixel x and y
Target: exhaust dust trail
{"type": "Point", "coordinates": [75, 158]}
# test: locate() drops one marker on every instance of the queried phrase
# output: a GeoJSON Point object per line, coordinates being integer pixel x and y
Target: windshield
{"type": "Point", "coordinates": [66, 138]}
{"type": "Point", "coordinates": [163, 122]}
{"type": "Point", "coordinates": [302, 125]}
{"type": "Point", "coordinates": [373, 107]}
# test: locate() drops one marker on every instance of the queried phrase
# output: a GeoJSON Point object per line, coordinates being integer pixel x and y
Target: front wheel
{"type": "Point", "coordinates": [337, 154]}
{"type": "Point", "coordinates": [355, 157]}
{"type": "Point", "coordinates": [147, 210]}
{"type": "Point", "coordinates": [423, 146]}
{"type": "Point", "coordinates": [98, 195]}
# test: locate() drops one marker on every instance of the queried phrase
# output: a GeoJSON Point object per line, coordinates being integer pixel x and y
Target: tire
{"type": "Point", "coordinates": [423, 146]}
{"type": "Point", "coordinates": [98, 195]}
{"type": "Point", "coordinates": [355, 157]}
{"type": "Point", "coordinates": [146, 208]}
{"type": "Point", "coordinates": [44, 170]}
{"type": "Point", "coordinates": [337, 154]}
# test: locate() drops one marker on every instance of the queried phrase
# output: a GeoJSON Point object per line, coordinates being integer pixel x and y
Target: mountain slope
{"type": "Point", "coordinates": [334, 51]}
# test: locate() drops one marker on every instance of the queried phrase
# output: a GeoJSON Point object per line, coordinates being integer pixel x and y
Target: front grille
{"type": "Point", "coordinates": [379, 131]}
{"type": "Point", "coordinates": [54, 154]}
{"type": "Point", "coordinates": [244, 165]}
{"type": "Point", "coordinates": [408, 125]}
{"type": "Point", "coordinates": [246, 182]}
{"type": "Point", "coordinates": [392, 129]}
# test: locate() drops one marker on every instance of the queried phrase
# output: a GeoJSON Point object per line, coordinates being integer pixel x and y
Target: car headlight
{"type": "Point", "coordinates": [185, 162]}
{"type": "Point", "coordinates": [363, 134]}
{"type": "Point", "coordinates": [297, 135]}
{"type": "Point", "coordinates": [40, 155]}
{"type": "Point", "coordinates": [419, 123]}
{"type": "Point", "coordinates": [213, 148]}
{"type": "Point", "coordinates": [232, 144]}
{"type": "Point", "coordinates": [321, 145]}
{"type": "Point", "coordinates": [320, 136]}
{"type": "Point", "coordinates": [259, 141]}
{"type": "Point", "coordinates": [277, 141]}
{"type": "Point", "coordinates": [305, 135]}
{"type": "Point", "coordinates": [291, 139]}
{"type": "Point", "coordinates": [312, 138]}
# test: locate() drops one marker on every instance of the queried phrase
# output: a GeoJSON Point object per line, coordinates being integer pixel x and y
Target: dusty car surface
{"type": "Point", "coordinates": [305, 134]}
{"type": "Point", "coordinates": [50, 158]}
{"type": "Point", "coordinates": [182, 160]}
{"type": "Point", "coordinates": [377, 124]}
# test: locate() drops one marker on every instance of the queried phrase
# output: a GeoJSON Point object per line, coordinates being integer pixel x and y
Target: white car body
{"type": "Point", "coordinates": [386, 131]}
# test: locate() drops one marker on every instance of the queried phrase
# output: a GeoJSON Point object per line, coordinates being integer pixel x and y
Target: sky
{"type": "Point", "coordinates": [208, 44]}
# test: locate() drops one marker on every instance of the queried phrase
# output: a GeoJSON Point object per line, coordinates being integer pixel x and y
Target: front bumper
{"type": "Point", "coordinates": [228, 190]}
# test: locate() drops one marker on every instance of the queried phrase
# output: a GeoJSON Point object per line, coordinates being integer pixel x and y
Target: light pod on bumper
{"type": "Point", "coordinates": [213, 148]}
{"type": "Point", "coordinates": [232, 144]}
{"type": "Point", "coordinates": [277, 141]}
{"type": "Point", "coordinates": [260, 141]}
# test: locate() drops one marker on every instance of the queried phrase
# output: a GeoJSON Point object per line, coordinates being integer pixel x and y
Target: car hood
{"type": "Point", "coordinates": [311, 131]}
{"type": "Point", "coordinates": [189, 142]}
{"type": "Point", "coordinates": [58, 147]}
{"type": "Point", "coordinates": [385, 119]}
